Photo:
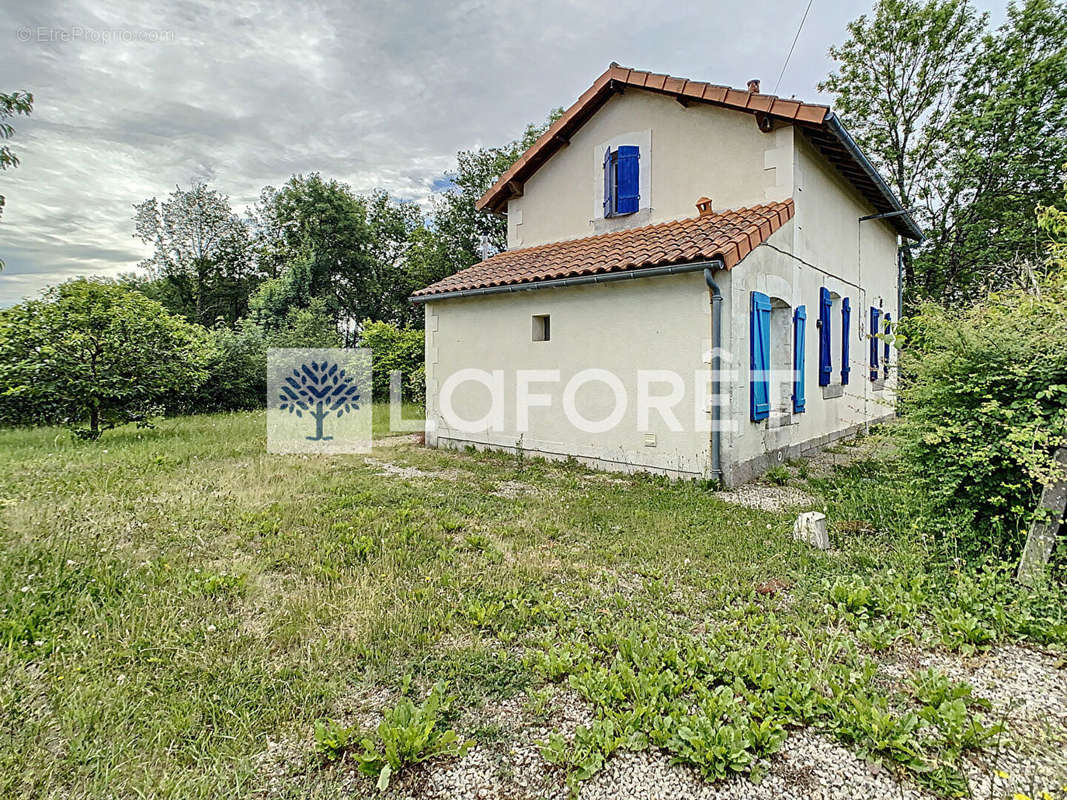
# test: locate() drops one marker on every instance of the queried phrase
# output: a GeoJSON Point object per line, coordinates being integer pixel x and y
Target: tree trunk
{"type": "Point", "coordinates": [94, 421]}
{"type": "Point", "coordinates": [1046, 525]}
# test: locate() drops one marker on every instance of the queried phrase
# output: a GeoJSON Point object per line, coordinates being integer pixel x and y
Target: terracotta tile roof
{"type": "Point", "coordinates": [818, 123]}
{"type": "Point", "coordinates": [616, 78]}
{"type": "Point", "coordinates": [731, 235]}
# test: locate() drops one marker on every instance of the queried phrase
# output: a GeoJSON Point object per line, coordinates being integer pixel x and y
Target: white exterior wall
{"type": "Point", "coordinates": [851, 259]}
{"type": "Point", "coordinates": [686, 153]}
{"type": "Point", "coordinates": [627, 326]}
{"type": "Point", "coordinates": [664, 323]}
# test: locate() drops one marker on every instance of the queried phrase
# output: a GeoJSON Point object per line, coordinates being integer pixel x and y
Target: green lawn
{"type": "Point", "coordinates": [173, 598]}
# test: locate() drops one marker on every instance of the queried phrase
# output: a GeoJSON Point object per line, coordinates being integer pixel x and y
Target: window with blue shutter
{"type": "Point", "coordinates": [609, 183]}
{"type": "Point", "coordinates": [628, 183]}
{"type": "Point", "coordinates": [825, 358]}
{"type": "Point", "coordinates": [885, 352]}
{"type": "Point", "coordinates": [873, 336]}
{"type": "Point", "coordinates": [846, 318]}
{"type": "Point", "coordinates": [800, 321]}
{"type": "Point", "coordinates": [622, 180]}
{"type": "Point", "coordinates": [760, 355]}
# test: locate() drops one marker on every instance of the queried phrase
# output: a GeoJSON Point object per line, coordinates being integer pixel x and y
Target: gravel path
{"type": "Point", "coordinates": [1027, 689]}
{"type": "Point", "coordinates": [766, 498]}
{"type": "Point", "coordinates": [808, 767]}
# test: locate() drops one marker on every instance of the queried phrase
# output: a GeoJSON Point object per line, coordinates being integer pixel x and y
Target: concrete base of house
{"type": "Point", "coordinates": [733, 474]}
{"type": "Point", "coordinates": [604, 464]}
{"type": "Point", "coordinates": [737, 474]}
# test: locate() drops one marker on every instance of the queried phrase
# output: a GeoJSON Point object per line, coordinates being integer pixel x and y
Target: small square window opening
{"type": "Point", "coordinates": [542, 330]}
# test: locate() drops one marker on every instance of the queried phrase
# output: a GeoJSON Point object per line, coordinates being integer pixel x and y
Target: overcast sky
{"type": "Point", "coordinates": [130, 100]}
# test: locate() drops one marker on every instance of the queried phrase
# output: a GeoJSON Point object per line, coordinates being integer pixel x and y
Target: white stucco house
{"type": "Point", "coordinates": [698, 282]}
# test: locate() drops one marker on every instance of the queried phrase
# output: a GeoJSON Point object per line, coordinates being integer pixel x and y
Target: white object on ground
{"type": "Point", "coordinates": [810, 527]}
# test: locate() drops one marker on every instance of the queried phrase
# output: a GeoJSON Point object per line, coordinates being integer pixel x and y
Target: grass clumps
{"type": "Point", "coordinates": [408, 734]}
{"type": "Point", "coordinates": [194, 597]}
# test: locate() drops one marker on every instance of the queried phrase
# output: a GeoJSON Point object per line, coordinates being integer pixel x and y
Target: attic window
{"type": "Point", "coordinates": [622, 183]}
{"type": "Point", "coordinates": [542, 330]}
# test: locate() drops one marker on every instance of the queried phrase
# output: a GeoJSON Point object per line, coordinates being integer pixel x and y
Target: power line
{"type": "Point", "coordinates": [786, 64]}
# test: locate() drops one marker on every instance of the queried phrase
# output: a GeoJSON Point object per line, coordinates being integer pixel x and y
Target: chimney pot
{"type": "Point", "coordinates": [704, 206]}
{"type": "Point", "coordinates": [753, 86]}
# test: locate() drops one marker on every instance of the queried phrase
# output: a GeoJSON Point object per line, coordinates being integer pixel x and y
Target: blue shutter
{"type": "Point", "coordinates": [760, 355]}
{"type": "Point", "coordinates": [609, 184]}
{"type": "Point", "coordinates": [846, 318]}
{"type": "Point", "coordinates": [885, 352]}
{"type": "Point", "coordinates": [628, 182]}
{"type": "Point", "coordinates": [825, 367]}
{"type": "Point", "coordinates": [872, 334]}
{"type": "Point", "coordinates": [800, 322]}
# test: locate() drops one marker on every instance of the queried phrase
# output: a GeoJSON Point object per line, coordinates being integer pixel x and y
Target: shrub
{"type": "Point", "coordinates": [779, 476]}
{"type": "Point", "coordinates": [395, 349]}
{"type": "Point", "coordinates": [306, 327]}
{"type": "Point", "coordinates": [415, 385]}
{"type": "Point", "coordinates": [237, 368]}
{"type": "Point", "coordinates": [237, 373]}
{"type": "Point", "coordinates": [94, 355]}
{"type": "Point", "coordinates": [985, 407]}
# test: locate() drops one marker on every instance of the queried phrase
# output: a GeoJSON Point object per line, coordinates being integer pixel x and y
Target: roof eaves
{"type": "Point", "coordinates": [616, 78]}
{"type": "Point", "coordinates": [839, 132]}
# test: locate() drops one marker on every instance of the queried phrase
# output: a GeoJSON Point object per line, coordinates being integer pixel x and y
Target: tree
{"type": "Point", "coordinates": [392, 226]}
{"type": "Point", "coordinates": [1005, 143]}
{"type": "Point", "coordinates": [426, 260]}
{"type": "Point", "coordinates": [201, 250]}
{"type": "Point", "coordinates": [306, 327]}
{"type": "Point", "coordinates": [314, 236]}
{"type": "Point", "coordinates": [159, 289]}
{"type": "Point", "coordinates": [970, 125]}
{"type": "Point", "coordinates": [895, 87]}
{"type": "Point", "coordinates": [11, 105]}
{"type": "Point", "coordinates": [94, 352]}
{"type": "Point", "coordinates": [277, 297]}
{"type": "Point", "coordinates": [458, 225]}
{"type": "Point", "coordinates": [319, 389]}
{"type": "Point", "coordinates": [321, 240]}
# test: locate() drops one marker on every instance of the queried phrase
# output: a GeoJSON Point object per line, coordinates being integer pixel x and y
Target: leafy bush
{"type": "Point", "coordinates": [415, 385]}
{"type": "Point", "coordinates": [237, 373]}
{"type": "Point", "coordinates": [96, 354]}
{"type": "Point", "coordinates": [395, 349]}
{"type": "Point", "coordinates": [985, 407]}
{"type": "Point", "coordinates": [779, 476]}
{"type": "Point", "coordinates": [237, 367]}
{"type": "Point", "coordinates": [306, 327]}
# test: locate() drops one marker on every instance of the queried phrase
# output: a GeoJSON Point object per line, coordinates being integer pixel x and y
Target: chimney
{"type": "Point", "coordinates": [753, 86]}
{"type": "Point", "coordinates": [704, 206]}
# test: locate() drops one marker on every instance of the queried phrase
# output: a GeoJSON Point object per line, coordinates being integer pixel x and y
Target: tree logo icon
{"type": "Point", "coordinates": [318, 388]}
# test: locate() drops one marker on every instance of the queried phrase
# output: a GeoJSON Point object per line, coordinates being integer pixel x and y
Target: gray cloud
{"type": "Point", "coordinates": [377, 94]}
